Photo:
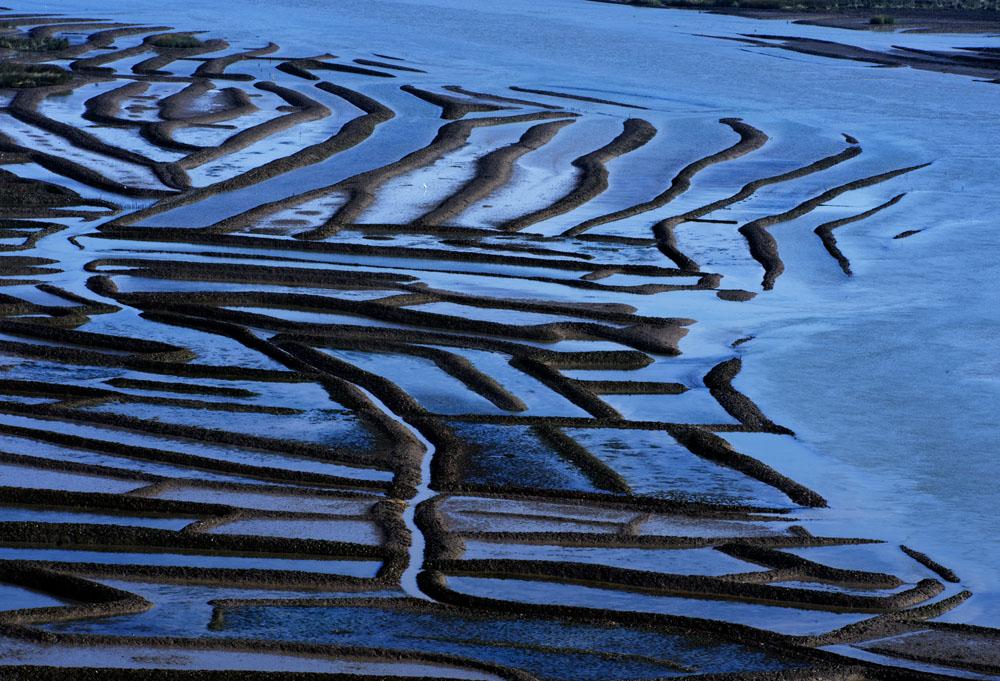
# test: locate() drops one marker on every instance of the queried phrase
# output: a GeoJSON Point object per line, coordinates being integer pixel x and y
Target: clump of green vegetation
{"type": "Point", "coordinates": [14, 75]}
{"type": "Point", "coordinates": [181, 40]}
{"type": "Point", "coordinates": [23, 44]}
{"type": "Point", "coordinates": [881, 20]}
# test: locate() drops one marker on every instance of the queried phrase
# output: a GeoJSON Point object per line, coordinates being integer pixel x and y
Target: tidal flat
{"type": "Point", "coordinates": [526, 340]}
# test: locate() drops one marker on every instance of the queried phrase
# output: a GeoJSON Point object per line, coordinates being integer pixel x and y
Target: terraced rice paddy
{"type": "Point", "coordinates": [326, 364]}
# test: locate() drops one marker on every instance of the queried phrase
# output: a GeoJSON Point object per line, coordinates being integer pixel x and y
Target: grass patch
{"type": "Point", "coordinates": [13, 75]}
{"type": "Point", "coordinates": [181, 40]}
{"type": "Point", "coordinates": [33, 44]}
{"type": "Point", "coordinates": [881, 20]}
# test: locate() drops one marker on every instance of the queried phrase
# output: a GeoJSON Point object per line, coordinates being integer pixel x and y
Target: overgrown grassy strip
{"type": "Point", "coordinates": [17, 76]}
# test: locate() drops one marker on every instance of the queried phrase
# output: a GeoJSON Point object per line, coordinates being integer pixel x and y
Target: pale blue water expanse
{"type": "Point", "coordinates": [890, 379]}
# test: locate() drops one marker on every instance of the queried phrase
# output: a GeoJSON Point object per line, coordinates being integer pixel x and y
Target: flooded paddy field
{"type": "Point", "coordinates": [425, 340]}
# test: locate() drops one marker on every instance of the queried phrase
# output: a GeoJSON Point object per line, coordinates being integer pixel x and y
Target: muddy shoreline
{"type": "Point", "coordinates": [974, 62]}
{"type": "Point", "coordinates": [908, 19]}
{"type": "Point", "coordinates": [328, 429]}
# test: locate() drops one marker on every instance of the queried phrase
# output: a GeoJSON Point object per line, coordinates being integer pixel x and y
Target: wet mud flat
{"type": "Point", "coordinates": [908, 19]}
{"type": "Point", "coordinates": [309, 374]}
{"type": "Point", "coordinates": [977, 62]}
{"type": "Point", "coordinates": [888, 16]}
{"type": "Point", "coordinates": [974, 61]}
